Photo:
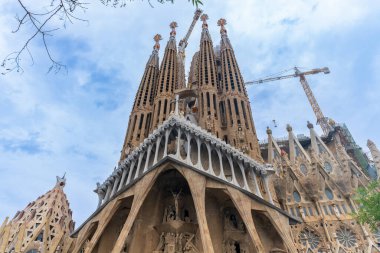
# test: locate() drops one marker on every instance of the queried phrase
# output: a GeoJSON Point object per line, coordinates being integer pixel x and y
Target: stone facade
{"type": "Point", "coordinates": [315, 181]}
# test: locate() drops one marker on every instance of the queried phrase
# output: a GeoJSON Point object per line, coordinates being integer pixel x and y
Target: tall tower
{"type": "Point", "coordinates": [43, 226]}
{"type": "Point", "coordinates": [235, 105]}
{"type": "Point", "coordinates": [207, 82]}
{"type": "Point", "coordinates": [141, 115]}
{"type": "Point", "coordinates": [167, 81]}
{"type": "Point", "coordinates": [375, 155]}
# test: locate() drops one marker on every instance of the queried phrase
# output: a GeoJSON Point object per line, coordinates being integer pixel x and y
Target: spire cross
{"type": "Point", "coordinates": [157, 39]}
{"type": "Point", "coordinates": [204, 19]}
{"type": "Point", "coordinates": [222, 22]}
{"type": "Point", "coordinates": [173, 25]}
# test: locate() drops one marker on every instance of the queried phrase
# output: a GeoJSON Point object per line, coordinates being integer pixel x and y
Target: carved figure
{"type": "Point", "coordinates": [210, 123]}
{"type": "Point", "coordinates": [176, 205]}
{"type": "Point", "coordinates": [241, 134]}
{"type": "Point", "coordinates": [160, 245]}
{"type": "Point", "coordinates": [170, 213]}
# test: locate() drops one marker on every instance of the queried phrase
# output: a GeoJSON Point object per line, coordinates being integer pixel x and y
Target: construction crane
{"type": "Point", "coordinates": [181, 50]}
{"type": "Point", "coordinates": [321, 119]}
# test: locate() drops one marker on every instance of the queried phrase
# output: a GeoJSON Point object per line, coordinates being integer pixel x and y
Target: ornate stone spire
{"type": "Point", "coordinates": [375, 155]}
{"type": "Point", "coordinates": [205, 33]}
{"type": "Point", "coordinates": [141, 115]}
{"type": "Point", "coordinates": [61, 181]}
{"type": "Point", "coordinates": [239, 127]}
{"type": "Point", "coordinates": [207, 83]}
{"type": "Point", "coordinates": [172, 42]}
{"type": "Point", "coordinates": [157, 39]}
{"type": "Point", "coordinates": [44, 225]}
{"type": "Point", "coordinates": [167, 81]}
{"type": "Point", "coordinates": [173, 25]}
{"type": "Point", "coordinates": [222, 22]}
{"type": "Point", "coordinates": [204, 19]}
{"type": "Point", "coordinates": [225, 42]}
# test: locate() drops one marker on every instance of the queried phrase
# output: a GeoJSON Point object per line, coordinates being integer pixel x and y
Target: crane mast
{"type": "Point", "coordinates": [181, 50]}
{"type": "Point", "coordinates": [321, 119]}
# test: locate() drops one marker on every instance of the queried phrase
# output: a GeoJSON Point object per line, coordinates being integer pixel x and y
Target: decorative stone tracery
{"type": "Point", "coordinates": [187, 149]}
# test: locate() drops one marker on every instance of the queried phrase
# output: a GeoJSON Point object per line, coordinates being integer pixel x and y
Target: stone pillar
{"type": "Point", "coordinates": [145, 185]}
{"type": "Point", "coordinates": [243, 205]}
{"type": "Point", "coordinates": [197, 184]}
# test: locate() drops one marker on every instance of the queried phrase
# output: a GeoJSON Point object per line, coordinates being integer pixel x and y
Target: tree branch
{"type": "Point", "coordinates": [40, 21]}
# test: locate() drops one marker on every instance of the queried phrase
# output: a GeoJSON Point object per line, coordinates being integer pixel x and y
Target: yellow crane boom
{"type": "Point", "coordinates": [321, 119]}
{"type": "Point", "coordinates": [181, 50]}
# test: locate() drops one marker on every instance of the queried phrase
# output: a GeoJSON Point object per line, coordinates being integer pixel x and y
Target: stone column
{"type": "Point", "coordinates": [197, 184]}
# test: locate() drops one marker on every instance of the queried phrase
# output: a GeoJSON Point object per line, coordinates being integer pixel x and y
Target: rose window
{"type": "Point", "coordinates": [308, 237]}
{"type": "Point", "coordinates": [346, 237]}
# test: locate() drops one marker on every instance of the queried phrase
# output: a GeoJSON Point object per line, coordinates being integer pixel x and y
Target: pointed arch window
{"type": "Point", "coordinates": [303, 169]}
{"type": "Point", "coordinates": [165, 106]}
{"type": "Point", "coordinates": [296, 196]}
{"type": "Point", "coordinates": [133, 127]}
{"type": "Point", "coordinates": [230, 112]}
{"type": "Point", "coordinates": [202, 105]}
{"type": "Point", "coordinates": [208, 103]}
{"type": "Point", "coordinates": [236, 107]}
{"type": "Point", "coordinates": [158, 111]}
{"type": "Point", "coordinates": [215, 107]}
{"type": "Point", "coordinates": [244, 114]}
{"type": "Point", "coordinates": [329, 194]}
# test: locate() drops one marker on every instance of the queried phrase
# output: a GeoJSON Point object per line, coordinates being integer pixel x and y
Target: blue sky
{"type": "Point", "coordinates": [75, 122]}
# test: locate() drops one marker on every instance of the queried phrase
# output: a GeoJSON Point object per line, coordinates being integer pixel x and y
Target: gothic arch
{"type": "Point", "coordinates": [88, 235]}
{"type": "Point", "coordinates": [167, 217]}
{"type": "Point", "coordinates": [267, 232]}
{"type": "Point", "coordinates": [215, 162]}
{"type": "Point", "coordinates": [227, 228]}
{"type": "Point", "coordinates": [110, 234]}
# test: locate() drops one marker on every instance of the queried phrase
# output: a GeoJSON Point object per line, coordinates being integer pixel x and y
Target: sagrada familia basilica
{"type": "Point", "coordinates": [193, 177]}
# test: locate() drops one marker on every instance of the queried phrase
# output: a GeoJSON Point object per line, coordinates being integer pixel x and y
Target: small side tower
{"type": "Point", "coordinates": [375, 155]}
{"type": "Point", "coordinates": [43, 226]}
{"type": "Point", "coordinates": [167, 81]}
{"type": "Point", "coordinates": [235, 105]}
{"type": "Point", "coordinates": [141, 115]}
{"type": "Point", "coordinates": [207, 82]}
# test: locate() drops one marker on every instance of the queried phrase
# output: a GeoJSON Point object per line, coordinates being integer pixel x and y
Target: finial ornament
{"type": "Point", "coordinates": [204, 19]}
{"type": "Point", "coordinates": [61, 181]}
{"type": "Point", "coordinates": [222, 22]}
{"type": "Point", "coordinates": [173, 25]}
{"type": "Point", "coordinates": [269, 131]}
{"type": "Point", "coordinates": [157, 39]}
{"type": "Point", "coordinates": [289, 128]}
{"type": "Point", "coordinates": [309, 125]}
